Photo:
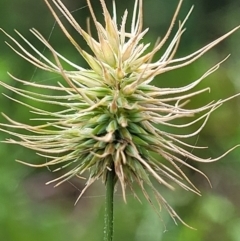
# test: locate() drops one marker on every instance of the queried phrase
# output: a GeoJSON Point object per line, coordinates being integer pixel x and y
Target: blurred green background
{"type": "Point", "coordinates": [30, 210]}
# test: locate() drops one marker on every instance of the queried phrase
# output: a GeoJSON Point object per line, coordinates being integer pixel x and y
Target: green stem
{"type": "Point", "coordinates": [108, 228]}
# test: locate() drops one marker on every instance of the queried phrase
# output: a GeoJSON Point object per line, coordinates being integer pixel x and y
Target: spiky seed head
{"type": "Point", "coordinates": [111, 111]}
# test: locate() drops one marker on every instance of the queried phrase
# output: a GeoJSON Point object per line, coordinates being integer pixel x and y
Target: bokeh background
{"type": "Point", "coordinates": [30, 210]}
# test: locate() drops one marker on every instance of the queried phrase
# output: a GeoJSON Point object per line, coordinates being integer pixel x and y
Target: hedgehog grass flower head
{"type": "Point", "coordinates": [111, 111]}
